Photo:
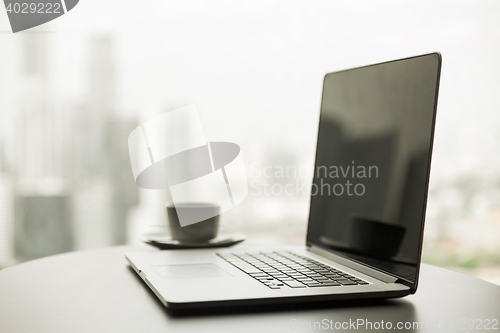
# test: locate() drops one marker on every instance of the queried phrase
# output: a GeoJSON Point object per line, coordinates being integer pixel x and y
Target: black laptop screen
{"type": "Point", "coordinates": [373, 155]}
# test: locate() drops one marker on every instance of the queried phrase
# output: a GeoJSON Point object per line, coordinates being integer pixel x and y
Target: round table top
{"type": "Point", "coordinates": [96, 291]}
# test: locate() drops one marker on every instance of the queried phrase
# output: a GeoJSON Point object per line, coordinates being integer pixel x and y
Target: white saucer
{"type": "Point", "coordinates": [164, 241]}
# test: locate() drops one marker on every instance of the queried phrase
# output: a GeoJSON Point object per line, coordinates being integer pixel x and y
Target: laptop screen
{"type": "Point", "coordinates": [373, 156]}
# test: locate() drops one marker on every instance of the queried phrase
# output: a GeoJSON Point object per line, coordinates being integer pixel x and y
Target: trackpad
{"type": "Point", "coordinates": [190, 271]}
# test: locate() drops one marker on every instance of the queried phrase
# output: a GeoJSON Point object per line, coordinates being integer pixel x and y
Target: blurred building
{"type": "Point", "coordinates": [6, 214]}
{"type": "Point", "coordinates": [42, 197]}
{"type": "Point", "coordinates": [125, 193]}
{"type": "Point", "coordinates": [72, 181]}
{"type": "Point", "coordinates": [45, 227]}
{"type": "Point", "coordinates": [104, 189]}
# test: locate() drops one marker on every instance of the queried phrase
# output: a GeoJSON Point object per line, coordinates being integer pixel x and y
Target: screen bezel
{"type": "Point", "coordinates": [309, 242]}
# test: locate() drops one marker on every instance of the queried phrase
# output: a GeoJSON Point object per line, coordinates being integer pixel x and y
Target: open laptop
{"type": "Point", "coordinates": [367, 209]}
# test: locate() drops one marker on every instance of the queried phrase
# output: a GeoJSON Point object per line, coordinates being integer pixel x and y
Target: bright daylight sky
{"type": "Point", "coordinates": [255, 68]}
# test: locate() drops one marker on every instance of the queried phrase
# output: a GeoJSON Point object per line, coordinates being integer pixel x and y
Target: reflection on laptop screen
{"type": "Point", "coordinates": [372, 166]}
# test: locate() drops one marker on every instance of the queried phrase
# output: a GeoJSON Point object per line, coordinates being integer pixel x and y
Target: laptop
{"type": "Point", "coordinates": [367, 204]}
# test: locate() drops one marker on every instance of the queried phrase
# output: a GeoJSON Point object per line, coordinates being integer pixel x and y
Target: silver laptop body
{"type": "Point", "coordinates": [364, 240]}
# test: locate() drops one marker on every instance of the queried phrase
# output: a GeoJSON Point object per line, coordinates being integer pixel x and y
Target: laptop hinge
{"type": "Point", "coordinates": [354, 265]}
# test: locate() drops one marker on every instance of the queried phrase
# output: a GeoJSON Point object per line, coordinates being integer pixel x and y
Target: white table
{"type": "Point", "coordinates": [96, 291]}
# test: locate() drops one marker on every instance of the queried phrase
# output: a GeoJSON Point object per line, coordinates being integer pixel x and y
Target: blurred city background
{"type": "Point", "coordinates": [72, 90]}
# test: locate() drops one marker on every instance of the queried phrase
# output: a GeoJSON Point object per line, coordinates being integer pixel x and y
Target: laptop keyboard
{"type": "Point", "coordinates": [286, 269]}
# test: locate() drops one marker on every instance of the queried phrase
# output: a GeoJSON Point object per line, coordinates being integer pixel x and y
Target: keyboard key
{"type": "Point", "coordinates": [286, 279]}
{"type": "Point", "coordinates": [332, 275]}
{"type": "Point", "coordinates": [247, 268]}
{"type": "Point", "coordinates": [269, 278]}
{"type": "Point", "coordinates": [313, 267]}
{"type": "Point", "coordinates": [322, 279]}
{"type": "Point", "coordinates": [321, 271]}
{"type": "Point", "coordinates": [294, 284]}
{"type": "Point", "coordinates": [330, 284]}
{"type": "Point", "coordinates": [314, 275]}
{"type": "Point", "coordinates": [277, 276]}
{"type": "Point", "coordinates": [272, 281]}
{"type": "Point", "coordinates": [307, 281]}
{"type": "Point", "coordinates": [259, 275]}
{"type": "Point", "coordinates": [346, 282]}
{"type": "Point", "coordinates": [310, 282]}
